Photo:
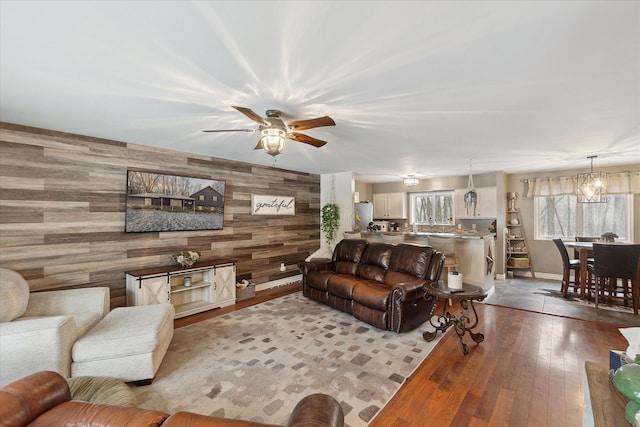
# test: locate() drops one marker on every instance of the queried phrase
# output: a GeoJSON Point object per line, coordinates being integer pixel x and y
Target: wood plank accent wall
{"type": "Point", "coordinates": [62, 212]}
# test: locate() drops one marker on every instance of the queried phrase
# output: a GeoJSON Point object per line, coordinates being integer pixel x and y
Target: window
{"type": "Point", "coordinates": [433, 207]}
{"type": "Point", "coordinates": [562, 216]}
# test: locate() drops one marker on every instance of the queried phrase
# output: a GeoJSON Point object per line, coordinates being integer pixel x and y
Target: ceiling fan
{"type": "Point", "coordinates": [273, 130]}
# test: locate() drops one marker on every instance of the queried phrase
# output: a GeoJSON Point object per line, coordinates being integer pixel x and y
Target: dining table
{"type": "Point", "coordinates": [584, 249]}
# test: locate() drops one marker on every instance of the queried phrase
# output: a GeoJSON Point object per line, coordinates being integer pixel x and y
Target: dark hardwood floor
{"type": "Point", "coordinates": [529, 371]}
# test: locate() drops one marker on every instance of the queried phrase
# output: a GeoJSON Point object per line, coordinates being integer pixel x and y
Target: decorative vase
{"type": "Point", "coordinates": [627, 381]}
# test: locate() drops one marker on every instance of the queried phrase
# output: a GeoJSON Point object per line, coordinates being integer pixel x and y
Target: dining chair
{"type": "Point", "coordinates": [614, 262]}
{"type": "Point", "coordinates": [586, 239]}
{"type": "Point", "coordinates": [568, 264]}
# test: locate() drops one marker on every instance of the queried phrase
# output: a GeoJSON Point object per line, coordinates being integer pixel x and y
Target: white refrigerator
{"type": "Point", "coordinates": [363, 215]}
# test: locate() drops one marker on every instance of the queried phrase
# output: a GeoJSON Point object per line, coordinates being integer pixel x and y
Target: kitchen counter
{"type": "Point", "coordinates": [458, 234]}
{"type": "Point", "coordinates": [475, 250]}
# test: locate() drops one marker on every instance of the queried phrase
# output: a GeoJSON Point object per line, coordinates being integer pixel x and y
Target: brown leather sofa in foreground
{"type": "Point", "coordinates": [379, 283]}
{"type": "Point", "coordinates": [44, 399]}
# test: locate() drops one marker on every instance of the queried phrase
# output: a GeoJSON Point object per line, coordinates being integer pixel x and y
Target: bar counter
{"type": "Point", "coordinates": [475, 250]}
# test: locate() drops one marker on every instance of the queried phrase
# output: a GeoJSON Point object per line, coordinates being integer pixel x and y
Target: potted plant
{"type": "Point", "coordinates": [329, 221]}
{"type": "Point", "coordinates": [186, 258]}
{"type": "Point", "coordinates": [609, 236]}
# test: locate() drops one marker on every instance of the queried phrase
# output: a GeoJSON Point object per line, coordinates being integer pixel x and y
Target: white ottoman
{"type": "Point", "coordinates": [129, 343]}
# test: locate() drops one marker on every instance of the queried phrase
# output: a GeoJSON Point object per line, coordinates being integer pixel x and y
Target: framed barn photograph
{"type": "Point", "coordinates": [159, 202]}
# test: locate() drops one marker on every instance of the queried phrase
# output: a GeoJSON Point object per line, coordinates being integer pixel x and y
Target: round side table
{"type": "Point", "coordinates": [463, 323]}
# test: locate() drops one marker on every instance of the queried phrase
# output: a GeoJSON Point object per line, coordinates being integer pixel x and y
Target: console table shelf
{"type": "Point", "coordinates": [182, 288]}
{"type": "Point", "coordinates": [207, 285]}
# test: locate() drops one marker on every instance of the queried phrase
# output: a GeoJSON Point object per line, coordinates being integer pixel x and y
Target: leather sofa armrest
{"type": "Point", "coordinates": [408, 291]}
{"type": "Point", "coordinates": [182, 419]}
{"type": "Point", "coordinates": [80, 414]}
{"type": "Point", "coordinates": [319, 410]}
{"type": "Point", "coordinates": [24, 400]}
{"type": "Point", "coordinates": [315, 265]}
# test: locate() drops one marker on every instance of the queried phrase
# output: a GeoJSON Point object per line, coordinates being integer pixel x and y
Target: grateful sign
{"type": "Point", "coordinates": [272, 205]}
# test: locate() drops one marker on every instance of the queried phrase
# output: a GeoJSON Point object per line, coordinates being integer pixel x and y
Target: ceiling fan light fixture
{"type": "Point", "coordinates": [410, 181]}
{"type": "Point", "coordinates": [272, 140]}
{"type": "Point", "coordinates": [592, 186]}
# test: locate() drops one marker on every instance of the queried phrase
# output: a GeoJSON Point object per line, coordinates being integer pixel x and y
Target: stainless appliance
{"type": "Point", "coordinates": [363, 216]}
{"type": "Point", "coordinates": [381, 225]}
{"type": "Point", "coordinates": [394, 226]}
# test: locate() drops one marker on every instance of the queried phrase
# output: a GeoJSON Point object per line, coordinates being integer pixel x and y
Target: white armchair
{"type": "Point", "coordinates": [38, 330]}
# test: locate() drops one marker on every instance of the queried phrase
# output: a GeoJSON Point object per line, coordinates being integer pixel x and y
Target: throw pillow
{"type": "Point", "coordinates": [102, 390]}
{"type": "Point", "coordinates": [14, 294]}
{"type": "Point", "coordinates": [324, 252]}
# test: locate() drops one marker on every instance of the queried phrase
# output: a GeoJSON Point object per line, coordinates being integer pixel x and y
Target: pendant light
{"type": "Point", "coordinates": [592, 186]}
{"type": "Point", "coordinates": [410, 181]}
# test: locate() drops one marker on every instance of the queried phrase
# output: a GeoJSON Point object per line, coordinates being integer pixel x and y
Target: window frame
{"type": "Point", "coordinates": [579, 219]}
{"type": "Point", "coordinates": [435, 193]}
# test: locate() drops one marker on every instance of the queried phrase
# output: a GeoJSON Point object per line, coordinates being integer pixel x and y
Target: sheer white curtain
{"type": "Point", "coordinates": [617, 183]}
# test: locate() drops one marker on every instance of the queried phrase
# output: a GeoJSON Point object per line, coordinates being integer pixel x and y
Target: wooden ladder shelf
{"type": "Point", "coordinates": [516, 247]}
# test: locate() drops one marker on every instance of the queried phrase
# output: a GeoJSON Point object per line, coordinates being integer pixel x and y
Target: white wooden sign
{"type": "Point", "coordinates": [272, 205]}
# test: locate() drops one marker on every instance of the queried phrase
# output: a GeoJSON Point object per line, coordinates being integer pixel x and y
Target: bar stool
{"type": "Point", "coordinates": [568, 265]}
{"type": "Point", "coordinates": [393, 238]}
{"type": "Point", "coordinates": [448, 247]}
{"type": "Point", "coordinates": [613, 262]}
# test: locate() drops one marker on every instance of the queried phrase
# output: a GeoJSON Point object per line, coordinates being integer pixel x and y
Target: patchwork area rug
{"type": "Point", "coordinates": [258, 362]}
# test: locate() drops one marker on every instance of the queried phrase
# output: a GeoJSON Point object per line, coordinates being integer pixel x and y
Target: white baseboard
{"type": "Point", "coordinates": [549, 276]}
{"type": "Point", "coordinates": [279, 282]}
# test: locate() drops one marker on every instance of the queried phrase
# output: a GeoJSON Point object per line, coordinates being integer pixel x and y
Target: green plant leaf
{"type": "Point", "coordinates": [329, 221]}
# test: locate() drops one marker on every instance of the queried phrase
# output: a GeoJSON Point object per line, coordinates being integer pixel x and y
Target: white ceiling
{"type": "Point", "coordinates": [416, 87]}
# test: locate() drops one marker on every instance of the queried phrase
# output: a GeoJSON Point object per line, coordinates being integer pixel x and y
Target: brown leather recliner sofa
{"type": "Point", "coordinates": [379, 283]}
{"type": "Point", "coordinates": [44, 399]}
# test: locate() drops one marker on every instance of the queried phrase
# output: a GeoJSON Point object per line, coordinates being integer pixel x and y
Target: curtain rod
{"type": "Point", "coordinates": [573, 176]}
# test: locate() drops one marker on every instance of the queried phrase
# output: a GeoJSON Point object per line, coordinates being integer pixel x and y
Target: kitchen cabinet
{"type": "Point", "coordinates": [485, 206]}
{"type": "Point", "coordinates": [390, 206]}
{"type": "Point", "coordinates": [201, 287]}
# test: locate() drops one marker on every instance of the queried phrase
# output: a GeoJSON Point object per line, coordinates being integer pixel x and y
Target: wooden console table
{"type": "Point", "coordinates": [203, 286]}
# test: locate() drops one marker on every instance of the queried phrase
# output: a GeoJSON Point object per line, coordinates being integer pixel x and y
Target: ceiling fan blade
{"type": "Point", "coordinates": [230, 130]}
{"type": "Point", "coordinates": [312, 123]}
{"type": "Point", "coordinates": [252, 115]}
{"type": "Point", "coordinates": [300, 137]}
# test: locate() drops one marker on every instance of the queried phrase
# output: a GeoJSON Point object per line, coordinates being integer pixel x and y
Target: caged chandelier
{"type": "Point", "coordinates": [592, 186]}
